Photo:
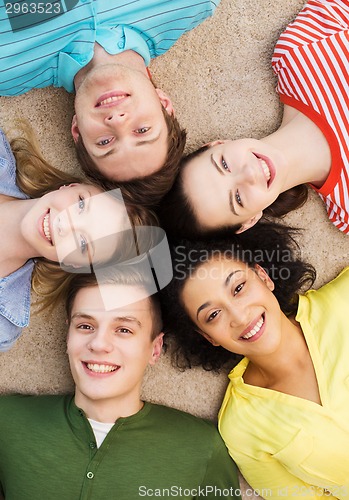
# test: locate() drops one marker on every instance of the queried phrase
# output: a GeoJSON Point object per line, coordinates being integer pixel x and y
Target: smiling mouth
{"type": "Point", "coordinates": [97, 368]}
{"type": "Point", "coordinates": [267, 169]}
{"type": "Point", "coordinates": [46, 227]}
{"type": "Point", "coordinates": [105, 101]}
{"type": "Point", "coordinates": [250, 334]}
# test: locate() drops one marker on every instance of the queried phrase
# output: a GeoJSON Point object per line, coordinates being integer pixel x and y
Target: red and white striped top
{"type": "Point", "coordinates": [311, 60]}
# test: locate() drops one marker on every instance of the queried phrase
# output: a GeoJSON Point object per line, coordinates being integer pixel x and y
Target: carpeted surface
{"type": "Point", "coordinates": [220, 79]}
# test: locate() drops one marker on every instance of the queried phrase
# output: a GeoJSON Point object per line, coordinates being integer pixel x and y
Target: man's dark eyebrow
{"type": "Point", "coordinates": [105, 155]}
{"type": "Point", "coordinates": [139, 143]}
{"type": "Point", "coordinates": [127, 319]}
{"type": "Point", "coordinates": [226, 283]}
{"type": "Point", "coordinates": [149, 141]}
{"type": "Point", "coordinates": [82, 316]}
{"type": "Point", "coordinates": [214, 163]}
{"type": "Point", "coordinates": [231, 203]}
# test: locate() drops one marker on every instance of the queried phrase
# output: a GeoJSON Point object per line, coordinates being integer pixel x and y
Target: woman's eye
{"type": "Point", "coordinates": [142, 130]}
{"type": "Point", "coordinates": [81, 204]}
{"type": "Point", "coordinates": [84, 327]}
{"type": "Point", "coordinates": [238, 288]}
{"type": "Point", "coordinates": [238, 199]}
{"type": "Point", "coordinates": [225, 165]}
{"type": "Point", "coordinates": [83, 245]}
{"type": "Point", "coordinates": [212, 316]}
{"type": "Point", "coordinates": [104, 142]}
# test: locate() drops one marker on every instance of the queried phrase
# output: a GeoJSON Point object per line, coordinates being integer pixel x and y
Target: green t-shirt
{"type": "Point", "coordinates": [48, 450]}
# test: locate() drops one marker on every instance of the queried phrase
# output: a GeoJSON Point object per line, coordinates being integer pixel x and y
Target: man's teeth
{"type": "Point", "coordinates": [101, 368]}
{"type": "Point", "coordinates": [111, 99]}
{"type": "Point", "coordinates": [46, 227]}
{"type": "Point", "coordinates": [254, 330]}
{"type": "Point", "coordinates": [265, 169]}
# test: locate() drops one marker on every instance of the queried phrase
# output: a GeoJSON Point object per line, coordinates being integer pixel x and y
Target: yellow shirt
{"type": "Point", "coordinates": [290, 447]}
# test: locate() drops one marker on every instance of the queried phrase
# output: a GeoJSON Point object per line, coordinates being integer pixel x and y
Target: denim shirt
{"type": "Point", "coordinates": [14, 288]}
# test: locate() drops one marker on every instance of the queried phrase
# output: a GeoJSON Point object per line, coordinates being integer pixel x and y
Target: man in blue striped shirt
{"type": "Point", "coordinates": [124, 127]}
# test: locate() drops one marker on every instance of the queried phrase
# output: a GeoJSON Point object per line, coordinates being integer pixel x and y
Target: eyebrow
{"type": "Point", "coordinates": [126, 319]}
{"type": "Point", "coordinates": [231, 203]}
{"type": "Point", "coordinates": [226, 283]}
{"type": "Point", "coordinates": [139, 143]}
{"type": "Point", "coordinates": [215, 164]}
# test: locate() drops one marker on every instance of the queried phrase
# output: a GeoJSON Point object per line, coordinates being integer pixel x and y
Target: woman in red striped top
{"type": "Point", "coordinates": [229, 184]}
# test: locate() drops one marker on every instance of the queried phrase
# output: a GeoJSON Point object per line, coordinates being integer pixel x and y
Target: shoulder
{"type": "Point", "coordinates": [24, 405]}
{"type": "Point", "coordinates": [181, 422]}
{"type": "Point", "coordinates": [337, 289]}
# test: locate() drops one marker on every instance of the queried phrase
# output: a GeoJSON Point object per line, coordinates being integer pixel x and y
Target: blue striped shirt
{"type": "Point", "coordinates": [51, 52]}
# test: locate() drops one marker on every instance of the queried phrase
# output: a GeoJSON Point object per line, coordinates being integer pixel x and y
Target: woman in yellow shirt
{"type": "Point", "coordinates": [284, 417]}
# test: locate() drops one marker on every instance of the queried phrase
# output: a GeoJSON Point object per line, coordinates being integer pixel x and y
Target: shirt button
{"type": "Point", "coordinates": [90, 475]}
{"type": "Point", "coordinates": [92, 445]}
{"type": "Point", "coordinates": [121, 45]}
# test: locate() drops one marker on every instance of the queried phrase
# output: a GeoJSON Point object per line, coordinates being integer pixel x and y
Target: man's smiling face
{"type": "Point", "coordinates": [120, 119]}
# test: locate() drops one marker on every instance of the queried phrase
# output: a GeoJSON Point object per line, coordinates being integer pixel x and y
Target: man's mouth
{"type": "Point", "coordinates": [101, 368]}
{"type": "Point", "coordinates": [110, 99]}
{"type": "Point", "coordinates": [46, 227]}
{"type": "Point", "coordinates": [253, 331]}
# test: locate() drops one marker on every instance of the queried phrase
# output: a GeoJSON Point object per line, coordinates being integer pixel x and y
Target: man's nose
{"type": "Point", "coordinates": [116, 117]}
{"type": "Point", "coordinates": [100, 341]}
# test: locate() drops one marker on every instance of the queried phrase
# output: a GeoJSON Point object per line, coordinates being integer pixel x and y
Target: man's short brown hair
{"type": "Point", "coordinates": [148, 190]}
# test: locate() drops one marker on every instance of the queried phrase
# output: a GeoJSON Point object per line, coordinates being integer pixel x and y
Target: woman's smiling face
{"type": "Point", "coordinates": [232, 182]}
{"type": "Point", "coordinates": [70, 225]}
{"type": "Point", "coordinates": [232, 305]}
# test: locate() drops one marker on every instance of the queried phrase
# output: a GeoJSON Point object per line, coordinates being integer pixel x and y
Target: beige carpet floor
{"type": "Point", "coordinates": [222, 86]}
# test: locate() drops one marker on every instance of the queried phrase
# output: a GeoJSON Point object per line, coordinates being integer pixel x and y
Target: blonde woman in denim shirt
{"type": "Point", "coordinates": [49, 216]}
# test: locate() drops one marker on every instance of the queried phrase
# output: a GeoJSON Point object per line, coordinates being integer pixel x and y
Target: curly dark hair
{"type": "Point", "coordinates": [148, 190]}
{"type": "Point", "coordinates": [178, 217]}
{"type": "Point", "coordinates": [270, 245]}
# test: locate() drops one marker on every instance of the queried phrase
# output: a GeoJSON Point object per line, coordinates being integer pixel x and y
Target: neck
{"type": "Point", "coordinates": [109, 410]}
{"type": "Point", "coordinates": [15, 250]}
{"type": "Point", "coordinates": [305, 149]}
{"type": "Point", "coordinates": [128, 58]}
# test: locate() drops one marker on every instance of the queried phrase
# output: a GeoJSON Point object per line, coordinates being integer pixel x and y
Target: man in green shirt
{"type": "Point", "coordinates": [104, 441]}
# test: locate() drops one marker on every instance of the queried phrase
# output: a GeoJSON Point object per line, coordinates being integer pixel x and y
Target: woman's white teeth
{"type": "Point", "coordinates": [112, 99]}
{"type": "Point", "coordinates": [254, 330]}
{"type": "Point", "coordinates": [265, 169]}
{"type": "Point", "coordinates": [101, 368]}
{"type": "Point", "coordinates": [46, 227]}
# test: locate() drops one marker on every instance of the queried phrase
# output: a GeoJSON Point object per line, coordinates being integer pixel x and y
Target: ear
{"type": "Point", "coordinates": [250, 223]}
{"type": "Point", "coordinates": [208, 337]}
{"type": "Point", "coordinates": [264, 276]}
{"type": "Point", "coordinates": [72, 184]}
{"type": "Point", "coordinates": [214, 143]}
{"type": "Point", "coordinates": [165, 101]}
{"type": "Point", "coordinates": [75, 129]}
{"type": "Point", "coordinates": [157, 348]}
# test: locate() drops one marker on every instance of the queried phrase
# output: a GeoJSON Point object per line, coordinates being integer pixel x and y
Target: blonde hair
{"type": "Point", "coordinates": [36, 177]}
